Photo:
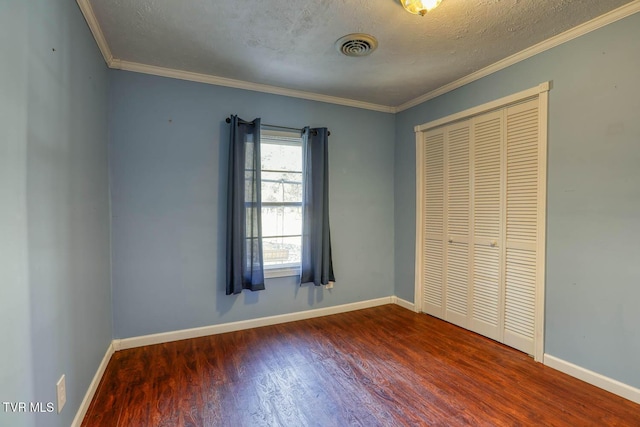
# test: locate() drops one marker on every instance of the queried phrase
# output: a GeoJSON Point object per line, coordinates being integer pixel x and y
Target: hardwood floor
{"type": "Point", "coordinates": [384, 366]}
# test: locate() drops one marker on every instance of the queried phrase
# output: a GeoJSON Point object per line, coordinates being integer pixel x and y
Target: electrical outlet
{"type": "Point", "coordinates": [61, 392]}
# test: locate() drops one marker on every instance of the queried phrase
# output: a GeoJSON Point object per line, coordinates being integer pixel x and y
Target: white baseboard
{"type": "Point", "coordinates": [93, 387]}
{"type": "Point", "coordinates": [593, 378]}
{"type": "Point", "coordinates": [403, 303]}
{"type": "Point", "coordinates": [133, 342]}
{"type": "Point", "coordinates": [598, 380]}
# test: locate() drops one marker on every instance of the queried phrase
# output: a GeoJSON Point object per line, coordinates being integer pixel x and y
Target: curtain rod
{"type": "Point", "coordinates": [228, 120]}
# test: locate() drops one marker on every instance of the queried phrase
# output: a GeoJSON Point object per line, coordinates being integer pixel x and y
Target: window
{"type": "Point", "coordinates": [281, 165]}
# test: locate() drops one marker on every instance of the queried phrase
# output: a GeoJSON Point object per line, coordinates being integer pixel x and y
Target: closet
{"type": "Point", "coordinates": [481, 188]}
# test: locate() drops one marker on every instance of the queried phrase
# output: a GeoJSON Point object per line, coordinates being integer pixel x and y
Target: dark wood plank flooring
{"type": "Point", "coordinates": [384, 366]}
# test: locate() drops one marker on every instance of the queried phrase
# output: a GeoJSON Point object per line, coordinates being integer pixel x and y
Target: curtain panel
{"type": "Point", "coordinates": [244, 263]}
{"type": "Point", "coordinates": [317, 265]}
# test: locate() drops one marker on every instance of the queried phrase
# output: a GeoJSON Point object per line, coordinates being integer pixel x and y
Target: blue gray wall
{"type": "Point", "coordinates": [55, 302]}
{"type": "Point", "coordinates": [168, 166]}
{"type": "Point", "coordinates": [168, 158]}
{"type": "Point", "coordinates": [593, 200]}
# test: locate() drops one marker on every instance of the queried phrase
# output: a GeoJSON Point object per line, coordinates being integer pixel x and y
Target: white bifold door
{"type": "Point", "coordinates": [481, 222]}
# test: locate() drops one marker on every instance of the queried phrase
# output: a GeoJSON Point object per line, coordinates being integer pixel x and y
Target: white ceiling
{"type": "Point", "coordinates": [290, 45]}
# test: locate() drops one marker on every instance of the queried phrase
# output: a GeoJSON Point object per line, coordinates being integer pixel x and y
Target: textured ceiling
{"type": "Point", "coordinates": [290, 44]}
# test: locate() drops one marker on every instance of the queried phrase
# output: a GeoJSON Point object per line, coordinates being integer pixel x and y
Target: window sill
{"type": "Point", "coordinates": [275, 272]}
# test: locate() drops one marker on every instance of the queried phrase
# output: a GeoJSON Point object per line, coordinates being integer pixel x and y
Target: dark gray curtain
{"type": "Point", "coordinates": [317, 266]}
{"type": "Point", "coordinates": [245, 269]}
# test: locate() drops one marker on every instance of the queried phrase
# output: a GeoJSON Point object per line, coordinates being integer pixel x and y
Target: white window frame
{"type": "Point", "coordinates": [283, 270]}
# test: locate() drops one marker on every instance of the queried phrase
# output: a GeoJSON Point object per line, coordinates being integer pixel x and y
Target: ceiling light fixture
{"type": "Point", "coordinates": [419, 7]}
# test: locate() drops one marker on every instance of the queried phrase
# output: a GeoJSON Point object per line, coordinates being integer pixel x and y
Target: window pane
{"type": "Point", "coordinates": [281, 187]}
{"type": "Point", "coordinates": [281, 162]}
{"type": "Point", "coordinates": [250, 187]}
{"type": "Point", "coordinates": [250, 150]}
{"type": "Point", "coordinates": [281, 157]}
{"type": "Point", "coordinates": [281, 220]}
{"type": "Point", "coordinates": [281, 250]}
{"type": "Point", "coordinates": [292, 192]}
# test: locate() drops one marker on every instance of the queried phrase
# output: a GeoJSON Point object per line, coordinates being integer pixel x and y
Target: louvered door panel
{"type": "Point", "coordinates": [433, 277]}
{"type": "Point", "coordinates": [522, 136]}
{"type": "Point", "coordinates": [433, 224]}
{"type": "Point", "coordinates": [486, 291]}
{"type": "Point", "coordinates": [457, 283]}
{"type": "Point", "coordinates": [487, 236]}
{"type": "Point", "coordinates": [434, 185]}
{"type": "Point", "coordinates": [520, 294]}
{"type": "Point", "coordinates": [457, 223]}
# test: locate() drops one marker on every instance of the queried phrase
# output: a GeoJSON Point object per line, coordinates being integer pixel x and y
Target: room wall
{"type": "Point", "coordinates": [168, 157]}
{"type": "Point", "coordinates": [55, 298]}
{"type": "Point", "coordinates": [593, 200]}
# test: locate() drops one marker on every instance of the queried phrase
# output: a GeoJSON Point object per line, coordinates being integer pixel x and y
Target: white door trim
{"type": "Point", "coordinates": [540, 92]}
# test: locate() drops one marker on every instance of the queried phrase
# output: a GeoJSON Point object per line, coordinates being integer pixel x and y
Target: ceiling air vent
{"type": "Point", "coordinates": [356, 44]}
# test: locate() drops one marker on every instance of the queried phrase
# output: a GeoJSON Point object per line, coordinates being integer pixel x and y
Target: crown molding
{"type": "Point", "coordinates": [240, 84]}
{"type": "Point", "coordinates": [596, 23]}
{"type": "Point", "coordinates": [582, 29]}
{"type": "Point", "coordinates": [98, 35]}
{"type": "Point", "coordinates": [94, 26]}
